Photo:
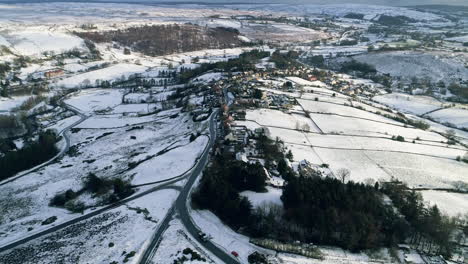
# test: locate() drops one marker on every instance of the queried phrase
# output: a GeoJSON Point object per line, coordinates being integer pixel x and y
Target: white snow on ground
{"type": "Point", "coordinates": [449, 203]}
{"type": "Point", "coordinates": [337, 255]}
{"type": "Point", "coordinates": [36, 40]}
{"type": "Point", "coordinates": [266, 117]}
{"type": "Point", "coordinates": [103, 238]}
{"type": "Point", "coordinates": [324, 97]}
{"type": "Point", "coordinates": [114, 121]}
{"type": "Point", "coordinates": [300, 81]}
{"type": "Point", "coordinates": [64, 123]}
{"type": "Point", "coordinates": [455, 116]}
{"type": "Point", "coordinates": [208, 77]}
{"type": "Point", "coordinates": [33, 68]}
{"type": "Point", "coordinates": [421, 171]}
{"type": "Point", "coordinates": [224, 23]}
{"type": "Point", "coordinates": [326, 107]}
{"type": "Point", "coordinates": [135, 108]}
{"type": "Point", "coordinates": [370, 11]}
{"type": "Point", "coordinates": [333, 51]}
{"type": "Point", "coordinates": [4, 42]}
{"type": "Point", "coordinates": [302, 152]}
{"type": "Point", "coordinates": [74, 67]}
{"type": "Point", "coordinates": [354, 126]}
{"type": "Point", "coordinates": [26, 200]}
{"type": "Point", "coordinates": [383, 144]}
{"type": "Point", "coordinates": [459, 39]}
{"type": "Point", "coordinates": [365, 147]}
{"type": "Point", "coordinates": [271, 196]}
{"type": "Point", "coordinates": [409, 103]}
{"type": "Point", "coordinates": [223, 236]}
{"type": "Point", "coordinates": [174, 240]}
{"type": "Point", "coordinates": [105, 74]}
{"type": "Point", "coordinates": [7, 104]}
{"type": "Point", "coordinates": [461, 135]}
{"type": "Point", "coordinates": [414, 258]}
{"type": "Point", "coordinates": [93, 100]}
{"type": "Point", "coordinates": [170, 164]}
{"type": "Point", "coordinates": [408, 64]}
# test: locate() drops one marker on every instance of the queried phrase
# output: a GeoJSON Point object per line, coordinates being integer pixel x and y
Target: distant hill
{"type": "Point", "coordinates": [371, 2]}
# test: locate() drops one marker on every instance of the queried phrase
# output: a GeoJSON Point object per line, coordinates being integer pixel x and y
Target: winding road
{"type": "Point", "coordinates": [182, 208]}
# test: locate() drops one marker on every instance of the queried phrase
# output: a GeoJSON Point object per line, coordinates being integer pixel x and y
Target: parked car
{"type": "Point", "coordinates": [235, 254]}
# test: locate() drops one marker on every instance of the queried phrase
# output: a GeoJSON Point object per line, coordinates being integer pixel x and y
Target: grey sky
{"type": "Point", "coordinates": [376, 2]}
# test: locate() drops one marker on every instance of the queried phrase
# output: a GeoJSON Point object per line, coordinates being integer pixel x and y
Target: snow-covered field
{"type": "Point", "coordinates": [7, 104]}
{"type": "Point", "coordinates": [361, 141]}
{"type": "Point", "coordinates": [106, 74]}
{"type": "Point", "coordinates": [105, 238]}
{"type": "Point", "coordinates": [455, 116]}
{"type": "Point", "coordinates": [408, 64]}
{"type": "Point", "coordinates": [171, 164]}
{"type": "Point", "coordinates": [93, 100]}
{"type": "Point", "coordinates": [135, 108]}
{"type": "Point", "coordinates": [449, 203]}
{"type": "Point", "coordinates": [417, 105]}
{"type": "Point", "coordinates": [461, 39]}
{"type": "Point", "coordinates": [267, 117]}
{"type": "Point", "coordinates": [115, 121]}
{"type": "Point", "coordinates": [337, 255]}
{"type": "Point", "coordinates": [106, 153]}
{"type": "Point", "coordinates": [325, 107]}
{"type": "Point", "coordinates": [64, 123]}
{"type": "Point", "coordinates": [355, 126]}
{"type": "Point", "coordinates": [37, 40]}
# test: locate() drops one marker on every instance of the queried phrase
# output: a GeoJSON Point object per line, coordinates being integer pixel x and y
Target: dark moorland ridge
{"type": "Point", "coordinates": [159, 40]}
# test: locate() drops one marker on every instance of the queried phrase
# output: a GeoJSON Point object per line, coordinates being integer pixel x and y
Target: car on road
{"type": "Point", "coordinates": [203, 236]}
{"type": "Point", "coordinates": [235, 254]}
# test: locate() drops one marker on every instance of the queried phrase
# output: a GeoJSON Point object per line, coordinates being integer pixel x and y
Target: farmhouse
{"type": "Point", "coordinates": [53, 73]}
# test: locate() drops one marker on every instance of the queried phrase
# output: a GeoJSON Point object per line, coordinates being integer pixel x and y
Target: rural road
{"type": "Point", "coordinates": [86, 216]}
{"type": "Point", "coordinates": [180, 206]}
{"type": "Point", "coordinates": [183, 211]}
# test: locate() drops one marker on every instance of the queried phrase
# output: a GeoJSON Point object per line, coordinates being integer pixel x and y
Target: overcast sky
{"type": "Point", "coordinates": [376, 2]}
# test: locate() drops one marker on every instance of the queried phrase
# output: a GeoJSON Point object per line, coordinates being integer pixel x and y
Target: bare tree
{"type": "Point", "coordinates": [343, 174]}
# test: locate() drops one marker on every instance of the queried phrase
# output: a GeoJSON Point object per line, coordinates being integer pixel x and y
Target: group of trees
{"type": "Point", "coordinates": [285, 60]}
{"type": "Point", "coordinates": [115, 189]}
{"type": "Point", "coordinates": [320, 209]}
{"type": "Point", "coordinates": [9, 122]}
{"type": "Point", "coordinates": [32, 154]}
{"type": "Point", "coordinates": [157, 40]}
{"type": "Point", "coordinates": [350, 215]}
{"type": "Point", "coordinates": [317, 60]}
{"type": "Point", "coordinates": [354, 65]}
{"type": "Point", "coordinates": [429, 228]}
{"type": "Point", "coordinates": [245, 62]}
{"type": "Point", "coordinates": [394, 20]}
{"type": "Point", "coordinates": [459, 90]}
{"type": "Point", "coordinates": [274, 155]}
{"type": "Point", "coordinates": [220, 186]}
